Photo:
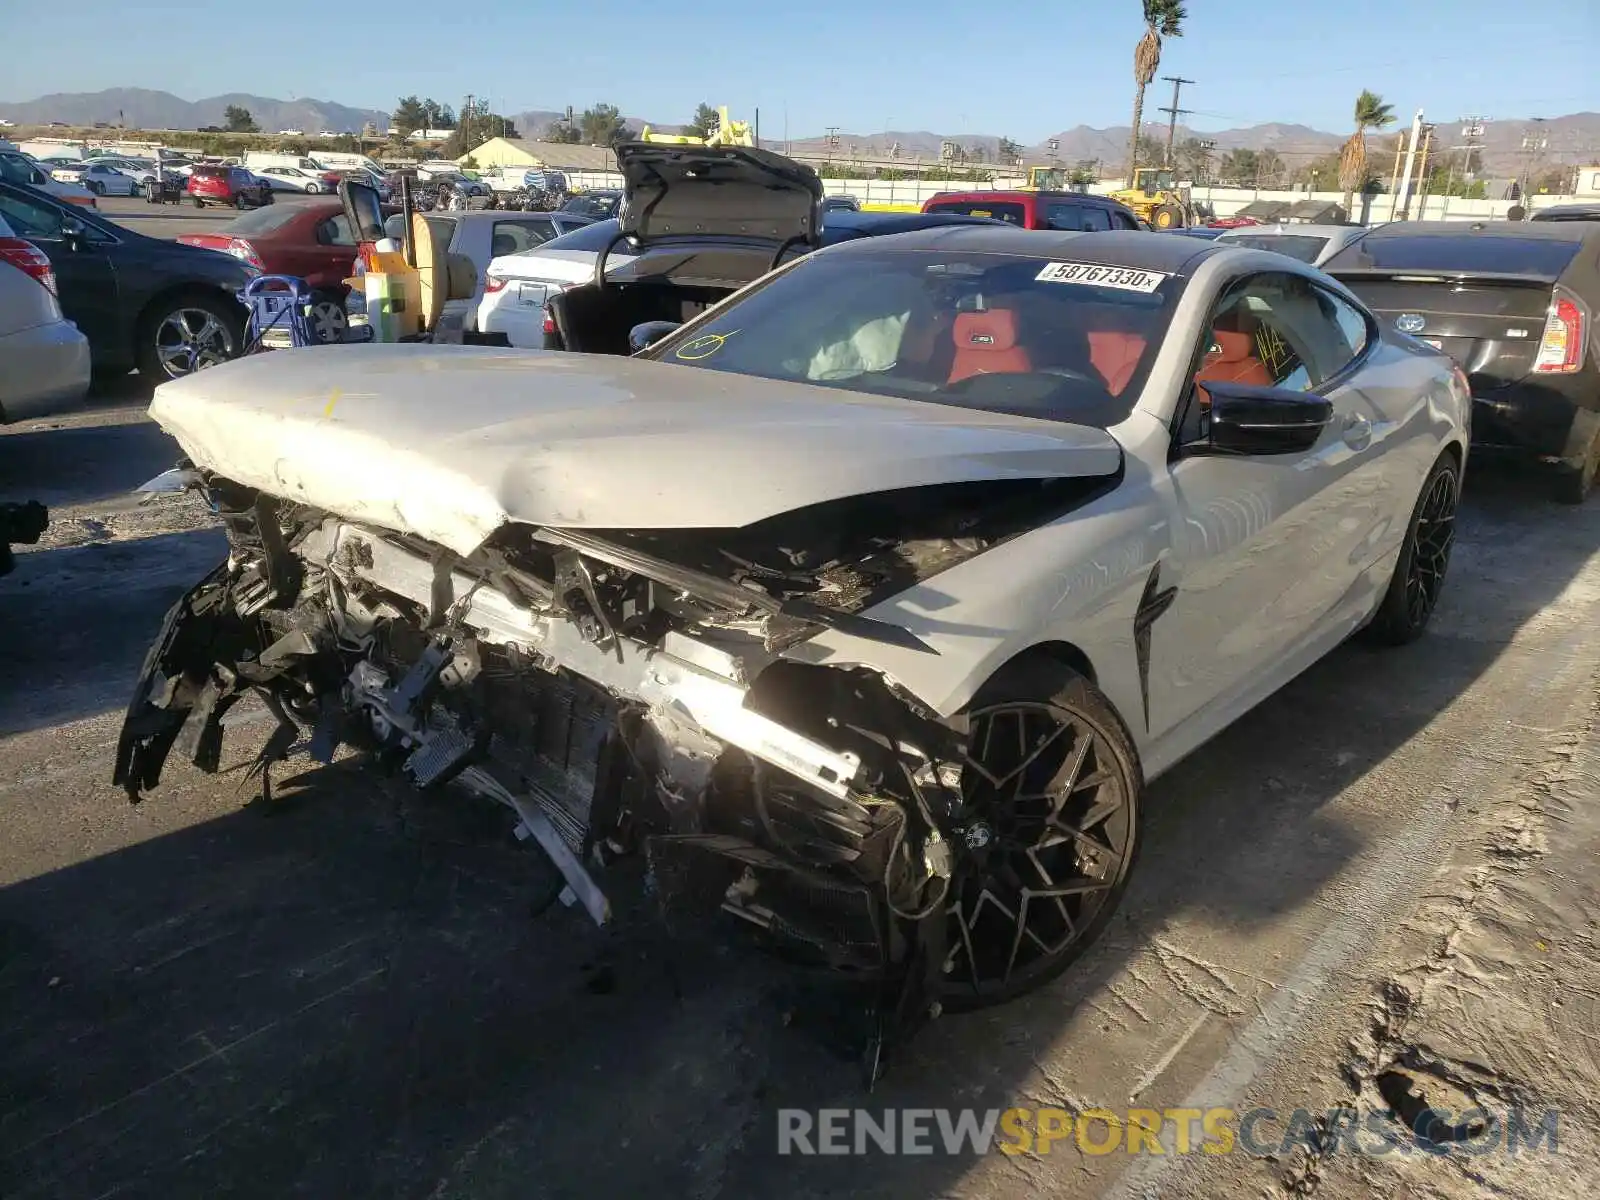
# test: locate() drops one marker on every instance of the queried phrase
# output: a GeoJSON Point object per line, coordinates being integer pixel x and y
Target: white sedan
{"type": "Point", "coordinates": [100, 178]}
{"type": "Point", "coordinates": [517, 285]}
{"type": "Point", "coordinates": [44, 359]}
{"type": "Point", "coordinates": [293, 179]}
{"type": "Point", "coordinates": [864, 605]}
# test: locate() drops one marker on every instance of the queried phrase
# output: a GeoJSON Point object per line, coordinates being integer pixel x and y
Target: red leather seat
{"type": "Point", "coordinates": [986, 344]}
{"type": "Point", "coordinates": [1234, 360]}
{"type": "Point", "coordinates": [1114, 355]}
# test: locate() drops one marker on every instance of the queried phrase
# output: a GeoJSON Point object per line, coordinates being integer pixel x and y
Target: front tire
{"type": "Point", "coordinates": [1419, 573]}
{"type": "Point", "coordinates": [1168, 216]}
{"type": "Point", "coordinates": [1051, 832]}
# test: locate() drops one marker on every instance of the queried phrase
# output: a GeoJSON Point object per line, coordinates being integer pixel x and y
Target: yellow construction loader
{"type": "Point", "coordinates": [1046, 179]}
{"type": "Point", "coordinates": [727, 133]}
{"type": "Point", "coordinates": [1155, 198]}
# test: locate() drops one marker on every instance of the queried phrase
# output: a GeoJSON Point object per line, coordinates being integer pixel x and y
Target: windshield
{"type": "Point", "coordinates": [1302, 246]}
{"type": "Point", "coordinates": [262, 220]}
{"type": "Point", "coordinates": [1467, 254]}
{"type": "Point", "coordinates": [1066, 341]}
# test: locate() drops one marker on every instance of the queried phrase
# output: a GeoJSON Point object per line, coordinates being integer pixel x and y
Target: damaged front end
{"type": "Point", "coordinates": [619, 692]}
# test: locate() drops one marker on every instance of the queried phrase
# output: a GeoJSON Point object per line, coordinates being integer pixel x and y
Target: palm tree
{"type": "Point", "coordinates": [1371, 113]}
{"type": "Point", "coordinates": [1162, 19]}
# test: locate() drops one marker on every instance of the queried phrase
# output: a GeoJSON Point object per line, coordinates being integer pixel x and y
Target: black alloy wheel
{"type": "Point", "coordinates": [1047, 837]}
{"type": "Point", "coordinates": [1419, 574]}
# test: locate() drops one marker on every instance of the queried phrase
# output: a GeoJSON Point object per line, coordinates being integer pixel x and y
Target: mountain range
{"type": "Point", "coordinates": [1568, 139]}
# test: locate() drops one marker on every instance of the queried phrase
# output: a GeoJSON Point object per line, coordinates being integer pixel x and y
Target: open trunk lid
{"type": "Point", "coordinates": [1489, 323]}
{"type": "Point", "coordinates": [717, 191]}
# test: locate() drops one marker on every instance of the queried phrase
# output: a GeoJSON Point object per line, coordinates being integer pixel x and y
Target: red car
{"type": "Point", "coordinates": [312, 240]}
{"type": "Point", "coordinates": [233, 186]}
{"type": "Point", "coordinates": [1074, 211]}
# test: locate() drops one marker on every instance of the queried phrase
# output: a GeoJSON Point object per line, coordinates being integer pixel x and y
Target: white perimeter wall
{"type": "Point", "coordinates": [1225, 201]}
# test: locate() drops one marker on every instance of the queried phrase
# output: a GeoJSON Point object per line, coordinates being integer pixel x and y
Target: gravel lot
{"type": "Point", "coordinates": [168, 221]}
{"type": "Point", "coordinates": [343, 992]}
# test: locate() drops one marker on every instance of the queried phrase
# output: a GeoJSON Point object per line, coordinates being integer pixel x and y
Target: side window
{"type": "Point", "coordinates": [1351, 323]}
{"type": "Point", "coordinates": [336, 231]}
{"type": "Point", "coordinates": [1064, 217]}
{"type": "Point", "coordinates": [1124, 221]}
{"type": "Point", "coordinates": [1279, 330]}
{"type": "Point", "coordinates": [1076, 217]}
{"type": "Point", "coordinates": [28, 219]}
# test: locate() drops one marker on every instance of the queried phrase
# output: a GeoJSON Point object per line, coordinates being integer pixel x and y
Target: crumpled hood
{"type": "Point", "coordinates": [451, 442]}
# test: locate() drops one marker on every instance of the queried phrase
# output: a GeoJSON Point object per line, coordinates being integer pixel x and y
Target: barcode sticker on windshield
{"type": "Point", "coordinates": [1124, 279]}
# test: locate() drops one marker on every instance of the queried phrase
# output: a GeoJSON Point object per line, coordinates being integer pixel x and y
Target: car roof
{"type": "Point", "coordinates": [1550, 231]}
{"type": "Point", "coordinates": [1289, 230]}
{"type": "Point", "coordinates": [877, 224]}
{"type": "Point", "coordinates": [1021, 194]}
{"type": "Point", "coordinates": [1567, 212]}
{"type": "Point", "coordinates": [1121, 247]}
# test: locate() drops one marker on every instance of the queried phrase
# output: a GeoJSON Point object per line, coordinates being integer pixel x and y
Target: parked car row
{"type": "Point", "coordinates": [159, 306]}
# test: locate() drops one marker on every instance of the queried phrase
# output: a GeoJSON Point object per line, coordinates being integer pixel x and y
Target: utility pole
{"type": "Point", "coordinates": [1173, 113]}
{"type": "Point", "coordinates": [1472, 142]}
{"type": "Point", "coordinates": [1402, 199]}
{"type": "Point", "coordinates": [1422, 173]}
{"type": "Point", "coordinates": [1533, 144]}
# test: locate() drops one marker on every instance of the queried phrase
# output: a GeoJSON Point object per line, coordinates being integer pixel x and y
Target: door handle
{"type": "Point", "coordinates": [1357, 432]}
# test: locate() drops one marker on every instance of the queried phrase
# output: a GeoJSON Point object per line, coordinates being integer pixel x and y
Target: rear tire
{"type": "Point", "coordinates": [328, 319]}
{"type": "Point", "coordinates": [1168, 216]}
{"type": "Point", "coordinates": [1059, 833]}
{"type": "Point", "coordinates": [156, 333]}
{"type": "Point", "coordinates": [1419, 572]}
{"type": "Point", "coordinates": [95, 186]}
{"type": "Point", "coordinates": [1573, 485]}
{"type": "Point", "coordinates": [199, 203]}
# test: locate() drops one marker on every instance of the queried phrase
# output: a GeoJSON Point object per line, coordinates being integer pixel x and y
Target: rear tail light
{"type": "Point", "coordinates": [494, 283]}
{"type": "Point", "coordinates": [30, 260]}
{"type": "Point", "coordinates": [1561, 347]}
{"type": "Point", "coordinates": [549, 321]}
{"type": "Point", "coordinates": [243, 250]}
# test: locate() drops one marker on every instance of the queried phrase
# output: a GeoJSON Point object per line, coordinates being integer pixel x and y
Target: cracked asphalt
{"type": "Point", "coordinates": [1381, 884]}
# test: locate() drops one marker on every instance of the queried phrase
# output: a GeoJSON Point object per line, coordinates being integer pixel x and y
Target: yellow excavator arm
{"type": "Point", "coordinates": [727, 133]}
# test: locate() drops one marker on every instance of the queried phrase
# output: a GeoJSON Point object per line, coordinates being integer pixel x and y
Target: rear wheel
{"type": "Point", "coordinates": [199, 203]}
{"type": "Point", "coordinates": [328, 320]}
{"type": "Point", "coordinates": [1168, 216]}
{"type": "Point", "coordinates": [95, 186]}
{"type": "Point", "coordinates": [1424, 557]}
{"type": "Point", "coordinates": [313, 189]}
{"type": "Point", "coordinates": [1050, 822]}
{"type": "Point", "coordinates": [180, 336]}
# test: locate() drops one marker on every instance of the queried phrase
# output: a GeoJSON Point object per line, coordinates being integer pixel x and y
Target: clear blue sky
{"type": "Point", "coordinates": [864, 65]}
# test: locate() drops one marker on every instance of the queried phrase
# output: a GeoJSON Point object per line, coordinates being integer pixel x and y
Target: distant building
{"type": "Point", "coordinates": [431, 135]}
{"type": "Point", "coordinates": [560, 156]}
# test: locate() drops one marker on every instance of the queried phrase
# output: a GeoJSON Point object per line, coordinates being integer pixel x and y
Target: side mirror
{"type": "Point", "coordinates": [1244, 419]}
{"type": "Point", "coordinates": [643, 336]}
{"type": "Point", "coordinates": [73, 234]}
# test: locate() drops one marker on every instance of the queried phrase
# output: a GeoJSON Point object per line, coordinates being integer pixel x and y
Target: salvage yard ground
{"type": "Point", "coordinates": [1386, 871]}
